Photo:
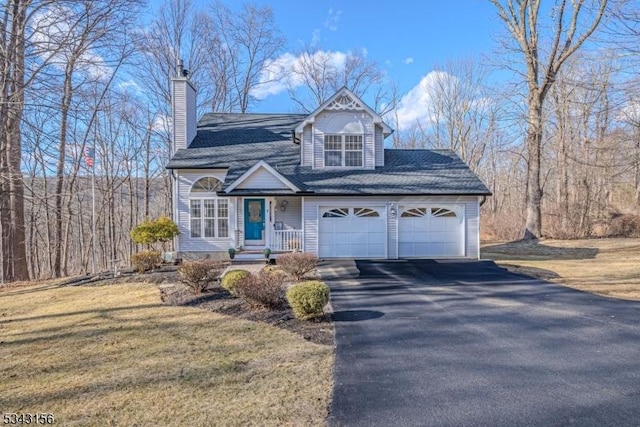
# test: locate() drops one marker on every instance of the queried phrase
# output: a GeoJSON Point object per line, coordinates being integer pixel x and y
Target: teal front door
{"type": "Point", "coordinates": [254, 221]}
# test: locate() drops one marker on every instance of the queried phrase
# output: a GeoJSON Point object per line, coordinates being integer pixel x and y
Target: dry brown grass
{"type": "Point", "coordinates": [608, 267]}
{"type": "Point", "coordinates": [114, 355]}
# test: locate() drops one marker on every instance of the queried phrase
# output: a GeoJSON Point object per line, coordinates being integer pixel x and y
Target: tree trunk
{"type": "Point", "coordinates": [533, 224]}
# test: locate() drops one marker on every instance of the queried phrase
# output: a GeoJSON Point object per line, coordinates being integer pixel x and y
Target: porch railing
{"type": "Point", "coordinates": [286, 240]}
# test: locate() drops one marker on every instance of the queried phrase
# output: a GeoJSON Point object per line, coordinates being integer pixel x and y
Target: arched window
{"type": "Point", "coordinates": [208, 184]}
{"type": "Point", "coordinates": [209, 213]}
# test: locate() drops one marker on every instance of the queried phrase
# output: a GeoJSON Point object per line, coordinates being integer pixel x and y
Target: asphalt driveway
{"type": "Point", "coordinates": [463, 343]}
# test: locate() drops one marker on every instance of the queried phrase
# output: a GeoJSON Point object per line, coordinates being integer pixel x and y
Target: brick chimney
{"type": "Point", "coordinates": [183, 109]}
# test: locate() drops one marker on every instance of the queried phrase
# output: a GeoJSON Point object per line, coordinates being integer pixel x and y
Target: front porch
{"type": "Point", "coordinates": [269, 222]}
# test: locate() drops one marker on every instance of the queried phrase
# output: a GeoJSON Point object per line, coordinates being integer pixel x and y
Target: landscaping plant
{"type": "Point", "coordinates": [150, 232]}
{"type": "Point", "coordinates": [146, 260]}
{"type": "Point", "coordinates": [264, 290]}
{"type": "Point", "coordinates": [199, 275]}
{"type": "Point", "coordinates": [307, 299]}
{"type": "Point", "coordinates": [231, 279]}
{"type": "Point", "coordinates": [297, 264]}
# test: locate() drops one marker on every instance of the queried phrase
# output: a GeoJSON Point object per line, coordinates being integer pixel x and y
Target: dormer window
{"type": "Point", "coordinates": [343, 150]}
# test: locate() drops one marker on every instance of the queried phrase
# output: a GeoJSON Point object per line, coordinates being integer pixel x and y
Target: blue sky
{"type": "Point", "coordinates": [407, 38]}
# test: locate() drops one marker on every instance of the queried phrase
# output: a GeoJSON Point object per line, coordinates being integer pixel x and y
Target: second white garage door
{"type": "Point", "coordinates": [431, 231]}
{"type": "Point", "coordinates": [352, 232]}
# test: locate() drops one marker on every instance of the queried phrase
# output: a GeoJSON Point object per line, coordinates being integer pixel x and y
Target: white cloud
{"type": "Point", "coordinates": [55, 39]}
{"type": "Point", "coordinates": [130, 85]}
{"type": "Point", "coordinates": [287, 71]}
{"type": "Point", "coordinates": [416, 106]}
{"type": "Point", "coordinates": [408, 60]}
{"type": "Point", "coordinates": [630, 112]}
{"type": "Point", "coordinates": [161, 123]}
{"type": "Point", "coordinates": [331, 22]}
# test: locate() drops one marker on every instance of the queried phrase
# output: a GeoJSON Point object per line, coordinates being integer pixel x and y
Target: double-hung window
{"type": "Point", "coordinates": [209, 213]}
{"type": "Point", "coordinates": [343, 150]}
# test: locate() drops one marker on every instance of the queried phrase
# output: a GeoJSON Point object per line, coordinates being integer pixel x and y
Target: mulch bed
{"type": "Point", "coordinates": [218, 300]}
{"type": "Point", "coordinates": [215, 299]}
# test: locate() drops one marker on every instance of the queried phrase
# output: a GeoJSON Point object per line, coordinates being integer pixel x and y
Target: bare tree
{"type": "Point", "coordinates": [13, 27]}
{"type": "Point", "coordinates": [543, 54]}
{"type": "Point", "coordinates": [248, 41]}
{"type": "Point", "coordinates": [461, 114]}
{"type": "Point", "coordinates": [316, 74]}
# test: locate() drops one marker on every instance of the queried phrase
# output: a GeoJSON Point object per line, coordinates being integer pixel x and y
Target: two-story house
{"type": "Point", "coordinates": [320, 182]}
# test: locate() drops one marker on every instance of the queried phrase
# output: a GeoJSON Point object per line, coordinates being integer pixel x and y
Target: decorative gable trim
{"type": "Point", "coordinates": [344, 100]}
{"type": "Point", "coordinates": [261, 165]}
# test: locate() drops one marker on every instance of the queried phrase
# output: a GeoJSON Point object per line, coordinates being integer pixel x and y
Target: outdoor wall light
{"type": "Point", "coordinates": [283, 205]}
{"type": "Point", "coordinates": [393, 211]}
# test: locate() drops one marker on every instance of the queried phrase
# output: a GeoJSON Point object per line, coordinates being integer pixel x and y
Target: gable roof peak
{"type": "Point", "coordinates": [344, 100]}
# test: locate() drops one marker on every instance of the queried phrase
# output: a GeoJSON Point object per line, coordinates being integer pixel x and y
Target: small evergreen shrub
{"type": "Point", "coordinates": [231, 279]}
{"type": "Point", "coordinates": [199, 275]}
{"type": "Point", "coordinates": [150, 232]}
{"type": "Point", "coordinates": [297, 264]}
{"type": "Point", "coordinates": [262, 290]}
{"type": "Point", "coordinates": [307, 299]}
{"type": "Point", "coordinates": [146, 260]}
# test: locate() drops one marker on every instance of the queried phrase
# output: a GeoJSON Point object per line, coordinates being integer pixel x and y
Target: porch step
{"type": "Point", "coordinates": [253, 257]}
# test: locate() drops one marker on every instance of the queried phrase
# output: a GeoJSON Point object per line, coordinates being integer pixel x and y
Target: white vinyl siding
{"type": "Point", "coordinates": [183, 113]}
{"type": "Point", "coordinates": [291, 217]}
{"type": "Point", "coordinates": [262, 179]}
{"type": "Point", "coordinates": [379, 146]}
{"type": "Point", "coordinates": [307, 146]}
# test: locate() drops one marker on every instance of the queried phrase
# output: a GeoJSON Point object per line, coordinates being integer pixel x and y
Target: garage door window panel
{"type": "Point", "coordinates": [336, 213]}
{"type": "Point", "coordinates": [443, 213]}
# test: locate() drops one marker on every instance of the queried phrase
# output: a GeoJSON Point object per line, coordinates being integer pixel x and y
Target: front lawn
{"type": "Point", "coordinates": [115, 355]}
{"type": "Point", "coordinates": [608, 267]}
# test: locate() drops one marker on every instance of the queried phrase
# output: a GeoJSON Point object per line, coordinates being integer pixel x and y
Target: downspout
{"type": "Point", "coordinates": [174, 212]}
{"type": "Point", "coordinates": [484, 199]}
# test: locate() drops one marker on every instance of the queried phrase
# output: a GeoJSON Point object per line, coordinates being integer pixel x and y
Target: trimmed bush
{"type": "Point", "coordinates": [262, 290]}
{"type": "Point", "coordinates": [231, 279]}
{"type": "Point", "coordinates": [199, 275]}
{"type": "Point", "coordinates": [297, 264]}
{"type": "Point", "coordinates": [146, 260]}
{"type": "Point", "coordinates": [307, 299]}
{"type": "Point", "coordinates": [149, 232]}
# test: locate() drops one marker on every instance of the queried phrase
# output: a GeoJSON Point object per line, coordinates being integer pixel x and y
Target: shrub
{"type": "Point", "coordinates": [198, 275]}
{"type": "Point", "coordinates": [231, 279]}
{"type": "Point", "coordinates": [263, 290]}
{"type": "Point", "coordinates": [145, 260]}
{"type": "Point", "coordinates": [297, 264]}
{"type": "Point", "coordinates": [149, 232]}
{"type": "Point", "coordinates": [307, 299]}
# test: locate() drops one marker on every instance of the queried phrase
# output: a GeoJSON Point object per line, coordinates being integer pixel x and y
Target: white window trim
{"type": "Point", "coordinates": [343, 150]}
{"type": "Point", "coordinates": [201, 197]}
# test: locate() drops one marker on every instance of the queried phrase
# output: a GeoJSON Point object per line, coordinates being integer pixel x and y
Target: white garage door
{"type": "Point", "coordinates": [352, 232]}
{"type": "Point", "coordinates": [431, 231]}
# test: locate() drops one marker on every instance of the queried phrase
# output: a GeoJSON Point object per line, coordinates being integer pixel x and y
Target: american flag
{"type": "Point", "coordinates": [89, 154]}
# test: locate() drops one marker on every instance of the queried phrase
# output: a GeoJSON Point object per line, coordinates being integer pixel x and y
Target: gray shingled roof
{"type": "Point", "coordinates": [239, 141]}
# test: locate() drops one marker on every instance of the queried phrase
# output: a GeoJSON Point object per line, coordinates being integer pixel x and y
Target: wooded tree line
{"type": "Point", "coordinates": [557, 141]}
